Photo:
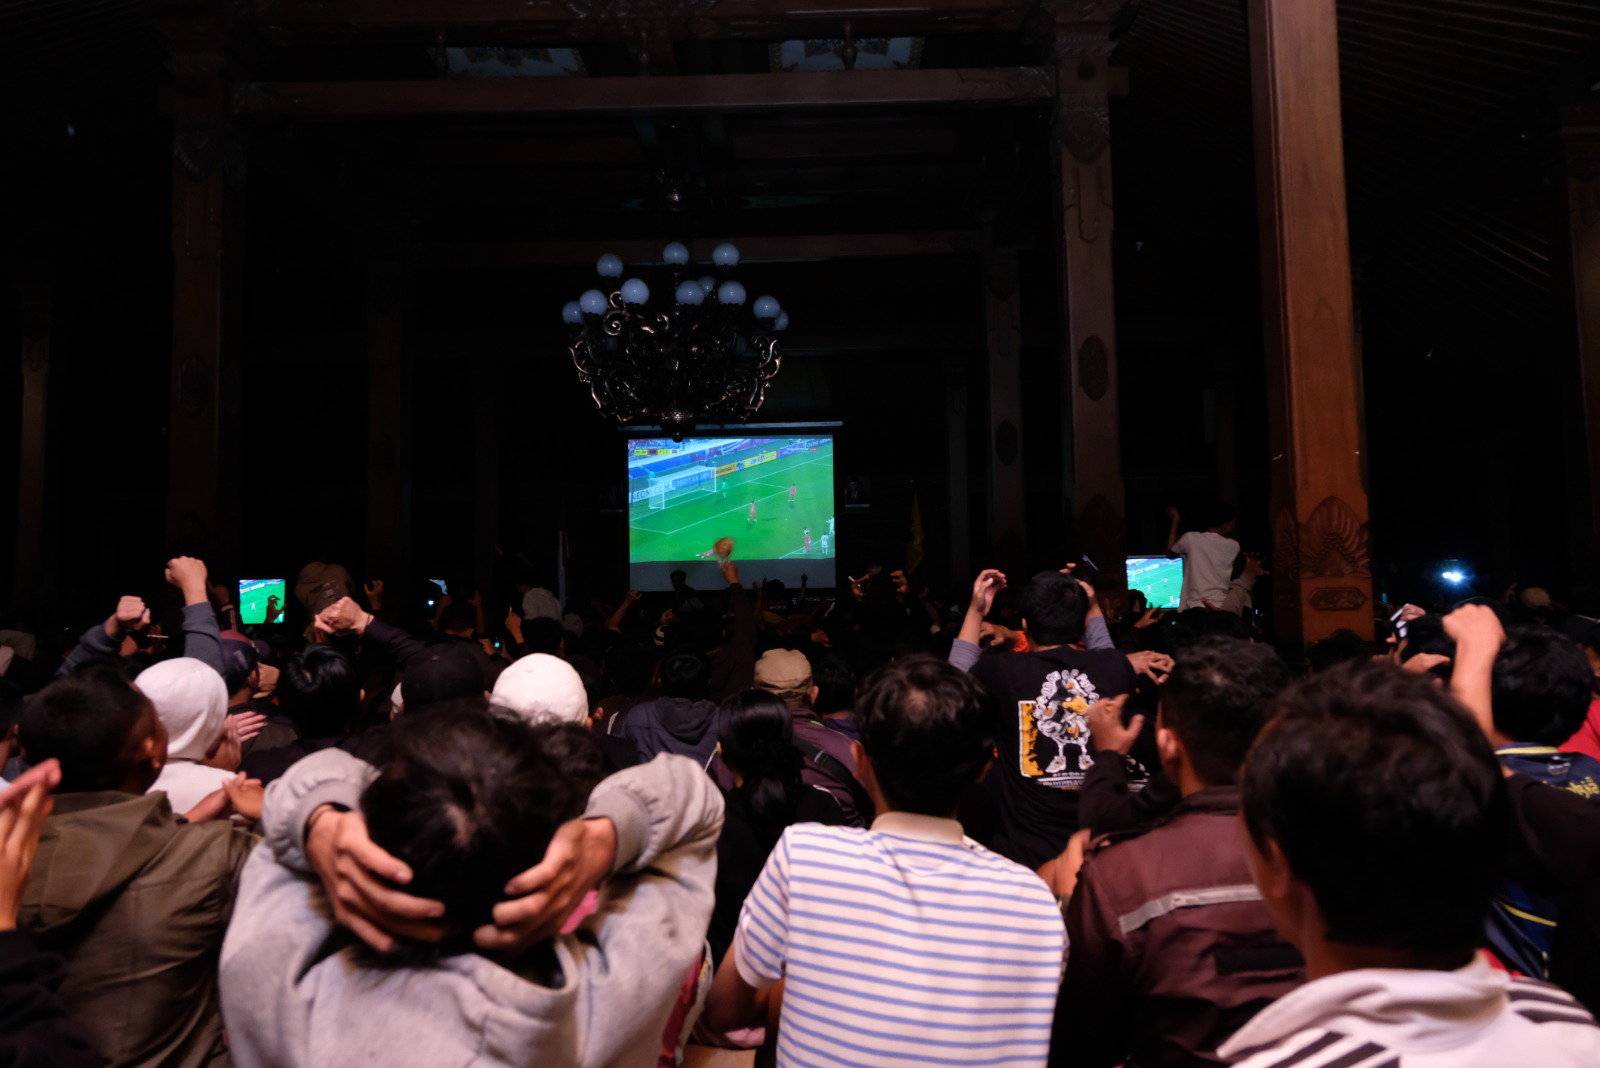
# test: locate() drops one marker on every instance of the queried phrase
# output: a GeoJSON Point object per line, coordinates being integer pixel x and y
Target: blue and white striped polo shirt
{"type": "Point", "coordinates": [904, 944]}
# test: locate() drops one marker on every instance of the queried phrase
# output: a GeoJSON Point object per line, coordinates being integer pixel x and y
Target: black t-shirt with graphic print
{"type": "Point", "coordinates": [1037, 701]}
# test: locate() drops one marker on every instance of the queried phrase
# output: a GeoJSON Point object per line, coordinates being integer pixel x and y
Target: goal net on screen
{"type": "Point", "coordinates": [684, 482]}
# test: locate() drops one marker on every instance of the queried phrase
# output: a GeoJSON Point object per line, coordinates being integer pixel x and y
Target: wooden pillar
{"type": "Point", "coordinates": [1095, 498]}
{"type": "Point", "coordinates": [32, 567]}
{"type": "Point", "coordinates": [203, 493]}
{"type": "Point", "coordinates": [1007, 539]}
{"type": "Point", "coordinates": [389, 423]}
{"type": "Point", "coordinates": [1321, 562]}
{"type": "Point", "coordinates": [956, 481]}
{"type": "Point", "coordinates": [1580, 172]}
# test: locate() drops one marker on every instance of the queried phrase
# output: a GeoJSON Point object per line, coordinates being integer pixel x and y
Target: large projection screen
{"type": "Point", "coordinates": [772, 494]}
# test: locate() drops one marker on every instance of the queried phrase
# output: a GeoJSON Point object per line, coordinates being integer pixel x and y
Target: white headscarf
{"type": "Point", "coordinates": [192, 701]}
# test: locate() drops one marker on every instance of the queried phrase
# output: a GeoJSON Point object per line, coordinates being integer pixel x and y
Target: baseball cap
{"type": "Point", "coordinates": [319, 585]}
{"type": "Point", "coordinates": [540, 602]}
{"type": "Point", "coordinates": [440, 673]}
{"type": "Point", "coordinates": [541, 688]}
{"type": "Point", "coordinates": [783, 672]}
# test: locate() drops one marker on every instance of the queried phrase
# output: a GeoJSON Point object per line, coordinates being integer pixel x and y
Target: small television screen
{"type": "Point", "coordinates": [771, 497]}
{"type": "Point", "coordinates": [1159, 578]}
{"type": "Point", "coordinates": [253, 597]}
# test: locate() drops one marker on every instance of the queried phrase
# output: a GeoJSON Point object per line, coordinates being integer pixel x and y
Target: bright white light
{"type": "Point", "coordinates": [1453, 576]}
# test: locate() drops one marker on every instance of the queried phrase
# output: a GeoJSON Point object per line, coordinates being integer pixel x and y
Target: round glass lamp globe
{"type": "Point", "coordinates": [609, 265]}
{"type": "Point", "coordinates": [766, 307]}
{"type": "Point", "coordinates": [730, 293]}
{"type": "Point", "coordinates": [571, 313]}
{"type": "Point", "coordinates": [676, 254]}
{"type": "Point", "coordinates": [725, 255]}
{"type": "Point", "coordinates": [593, 302]}
{"type": "Point", "coordinates": [634, 291]}
{"type": "Point", "coordinates": [691, 293]}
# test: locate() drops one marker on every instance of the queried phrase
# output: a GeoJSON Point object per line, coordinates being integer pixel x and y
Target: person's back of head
{"type": "Point", "coordinates": [1054, 607]}
{"type": "Point", "coordinates": [239, 667]}
{"type": "Point", "coordinates": [467, 801]}
{"type": "Point", "coordinates": [442, 673]}
{"type": "Point", "coordinates": [320, 690]}
{"type": "Point", "coordinates": [1217, 698]}
{"type": "Point", "coordinates": [459, 618]}
{"type": "Point", "coordinates": [1379, 795]}
{"type": "Point", "coordinates": [1220, 516]}
{"type": "Point", "coordinates": [757, 742]}
{"type": "Point", "coordinates": [1340, 647]}
{"type": "Point", "coordinates": [1426, 635]}
{"type": "Point", "coordinates": [835, 683]}
{"type": "Point", "coordinates": [629, 667]}
{"type": "Point", "coordinates": [101, 729]}
{"type": "Point", "coordinates": [192, 701]}
{"type": "Point", "coordinates": [543, 635]}
{"type": "Point", "coordinates": [685, 673]}
{"type": "Point", "coordinates": [1542, 686]}
{"type": "Point", "coordinates": [925, 729]}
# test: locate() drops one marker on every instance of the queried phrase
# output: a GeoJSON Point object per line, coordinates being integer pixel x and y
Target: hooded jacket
{"type": "Point", "coordinates": [298, 992]}
{"type": "Point", "coordinates": [1474, 1017]}
{"type": "Point", "coordinates": [137, 904]}
{"type": "Point", "coordinates": [192, 702]}
{"type": "Point", "coordinates": [672, 725]}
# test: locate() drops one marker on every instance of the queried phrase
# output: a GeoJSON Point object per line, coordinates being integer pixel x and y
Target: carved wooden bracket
{"type": "Point", "coordinates": [1332, 543]}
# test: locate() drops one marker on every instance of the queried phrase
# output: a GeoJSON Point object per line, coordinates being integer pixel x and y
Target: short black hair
{"type": "Point", "coordinates": [11, 705]}
{"type": "Point", "coordinates": [1542, 683]}
{"type": "Point", "coordinates": [543, 635]}
{"type": "Point", "coordinates": [835, 681]}
{"type": "Point", "coordinates": [1216, 700]}
{"type": "Point", "coordinates": [629, 666]}
{"type": "Point", "coordinates": [1054, 608]}
{"type": "Point", "coordinates": [320, 690]}
{"type": "Point", "coordinates": [84, 721]}
{"type": "Point", "coordinates": [458, 615]}
{"type": "Point", "coordinates": [676, 575]}
{"type": "Point", "coordinates": [239, 661]}
{"type": "Point", "coordinates": [1387, 803]}
{"type": "Point", "coordinates": [685, 673]}
{"type": "Point", "coordinates": [469, 800]}
{"type": "Point", "coordinates": [925, 725]}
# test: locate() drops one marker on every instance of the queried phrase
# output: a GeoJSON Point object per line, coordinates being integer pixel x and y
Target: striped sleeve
{"type": "Point", "coordinates": [761, 944]}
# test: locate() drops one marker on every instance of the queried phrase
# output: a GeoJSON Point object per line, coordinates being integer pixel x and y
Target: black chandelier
{"type": "Point", "coordinates": [704, 359]}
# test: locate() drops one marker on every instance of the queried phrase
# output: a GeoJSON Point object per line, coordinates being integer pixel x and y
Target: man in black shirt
{"type": "Point", "coordinates": [1038, 698]}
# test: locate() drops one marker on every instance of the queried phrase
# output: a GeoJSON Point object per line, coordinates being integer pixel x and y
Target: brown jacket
{"type": "Point", "coordinates": [137, 903]}
{"type": "Point", "coordinates": [1171, 947]}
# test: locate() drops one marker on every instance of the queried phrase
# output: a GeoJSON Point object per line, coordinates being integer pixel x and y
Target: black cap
{"type": "Point", "coordinates": [441, 673]}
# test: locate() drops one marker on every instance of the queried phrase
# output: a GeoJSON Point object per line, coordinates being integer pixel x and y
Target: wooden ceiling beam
{"type": "Point", "coordinates": [557, 22]}
{"type": "Point", "coordinates": [313, 101]}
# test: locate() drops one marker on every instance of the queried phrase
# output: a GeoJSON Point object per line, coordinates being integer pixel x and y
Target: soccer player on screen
{"type": "Point", "coordinates": [807, 549]}
{"type": "Point", "coordinates": [751, 518]}
{"type": "Point", "coordinates": [793, 489]}
{"type": "Point", "coordinates": [822, 545]}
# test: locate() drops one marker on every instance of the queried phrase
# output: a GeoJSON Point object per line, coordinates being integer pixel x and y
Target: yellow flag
{"type": "Point", "coordinates": [914, 546]}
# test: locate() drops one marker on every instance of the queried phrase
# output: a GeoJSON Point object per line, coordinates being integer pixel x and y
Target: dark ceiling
{"type": "Point", "coordinates": [1450, 134]}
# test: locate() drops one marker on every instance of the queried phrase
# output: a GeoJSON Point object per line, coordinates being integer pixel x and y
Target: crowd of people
{"type": "Point", "coordinates": [852, 830]}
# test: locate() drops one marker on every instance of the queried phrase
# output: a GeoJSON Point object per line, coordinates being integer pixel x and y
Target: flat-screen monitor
{"type": "Point", "coordinates": [253, 597]}
{"type": "Point", "coordinates": [1159, 578]}
{"type": "Point", "coordinates": [772, 495]}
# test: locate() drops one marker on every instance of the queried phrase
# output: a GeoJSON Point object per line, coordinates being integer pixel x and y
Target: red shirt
{"type": "Point", "coordinates": [1587, 740]}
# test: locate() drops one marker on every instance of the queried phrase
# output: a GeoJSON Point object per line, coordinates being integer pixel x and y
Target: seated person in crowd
{"type": "Point", "coordinates": [682, 720]}
{"type": "Point", "coordinates": [36, 1031]}
{"type": "Point", "coordinates": [135, 899]}
{"type": "Point", "coordinates": [1171, 948]}
{"type": "Point", "coordinates": [457, 806]}
{"type": "Point", "coordinates": [192, 703]}
{"type": "Point", "coordinates": [833, 694]}
{"type": "Point", "coordinates": [827, 758]}
{"type": "Point", "coordinates": [907, 943]}
{"type": "Point", "coordinates": [768, 795]}
{"type": "Point", "coordinates": [1541, 686]}
{"type": "Point", "coordinates": [1038, 701]}
{"type": "Point", "coordinates": [319, 691]}
{"type": "Point", "coordinates": [1374, 808]}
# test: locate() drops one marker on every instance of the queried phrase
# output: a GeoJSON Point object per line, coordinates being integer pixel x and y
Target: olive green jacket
{"type": "Point", "coordinates": [137, 903]}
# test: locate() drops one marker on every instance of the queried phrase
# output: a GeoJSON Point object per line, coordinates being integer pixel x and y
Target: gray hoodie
{"type": "Point", "coordinates": [291, 996]}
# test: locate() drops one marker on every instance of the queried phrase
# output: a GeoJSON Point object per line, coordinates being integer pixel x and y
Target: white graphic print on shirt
{"type": "Point", "coordinates": [1048, 726]}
